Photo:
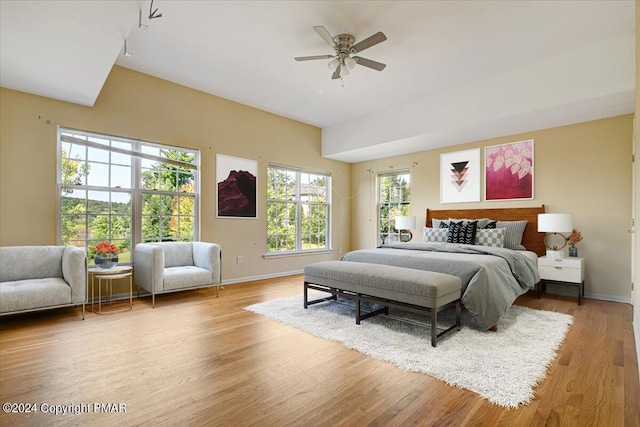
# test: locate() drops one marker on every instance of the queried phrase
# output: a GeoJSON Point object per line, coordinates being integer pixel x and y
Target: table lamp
{"type": "Point", "coordinates": [555, 225]}
{"type": "Point", "coordinates": [404, 224]}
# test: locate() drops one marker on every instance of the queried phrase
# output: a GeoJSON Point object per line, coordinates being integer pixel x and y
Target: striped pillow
{"type": "Point", "coordinates": [490, 237]}
{"type": "Point", "coordinates": [513, 233]}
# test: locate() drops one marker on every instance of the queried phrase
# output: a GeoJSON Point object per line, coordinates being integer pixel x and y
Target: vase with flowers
{"type": "Point", "coordinates": [106, 255]}
{"type": "Point", "coordinates": [573, 239]}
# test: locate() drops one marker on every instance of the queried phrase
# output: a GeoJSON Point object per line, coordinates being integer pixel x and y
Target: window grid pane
{"type": "Point", "coordinates": [297, 210]}
{"type": "Point", "coordinates": [394, 199]}
{"type": "Point", "coordinates": [97, 190]}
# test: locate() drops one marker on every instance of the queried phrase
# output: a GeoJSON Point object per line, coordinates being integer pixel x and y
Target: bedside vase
{"type": "Point", "coordinates": [573, 251]}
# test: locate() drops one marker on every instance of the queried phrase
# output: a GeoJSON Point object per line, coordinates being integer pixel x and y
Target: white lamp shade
{"type": "Point", "coordinates": [405, 223]}
{"type": "Point", "coordinates": [555, 223]}
{"type": "Point", "coordinates": [333, 64]}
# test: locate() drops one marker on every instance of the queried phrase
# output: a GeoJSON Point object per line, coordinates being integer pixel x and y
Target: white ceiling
{"type": "Point", "coordinates": [456, 71]}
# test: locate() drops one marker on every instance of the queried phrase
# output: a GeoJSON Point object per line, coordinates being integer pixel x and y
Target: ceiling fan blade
{"type": "Point", "coordinates": [378, 37]}
{"type": "Point", "coordinates": [369, 63]}
{"type": "Point", "coordinates": [309, 58]}
{"type": "Point", "coordinates": [322, 32]}
{"type": "Point", "coordinates": [336, 73]}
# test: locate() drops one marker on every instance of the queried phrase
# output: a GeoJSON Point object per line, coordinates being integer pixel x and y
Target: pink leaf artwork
{"type": "Point", "coordinates": [509, 171]}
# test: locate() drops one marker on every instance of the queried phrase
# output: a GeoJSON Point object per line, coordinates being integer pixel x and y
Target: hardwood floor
{"type": "Point", "coordinates": [200, 360]}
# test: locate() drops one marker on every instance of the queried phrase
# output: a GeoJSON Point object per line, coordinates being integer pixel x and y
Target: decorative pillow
{"type": "Point", "coordinates": [490, 224]}
{"type": "Point", "coordinates": [513, 233]}
{"type": "Point", "coordinates": [440, 223]}
{"type": "Point", "coordinates": [490, 237]}
{"type": "Point", "coordinates": [459, 233]}
{"type": "Point", "coordinates": [482, 222]}
{"type": "Point", "coordinates": [435, 234]}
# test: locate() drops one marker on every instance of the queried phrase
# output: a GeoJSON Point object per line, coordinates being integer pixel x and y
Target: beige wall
{"type": "Point", "coordinates": [135, 105]}
{"type": "Point", "coordinates": [583, 169]}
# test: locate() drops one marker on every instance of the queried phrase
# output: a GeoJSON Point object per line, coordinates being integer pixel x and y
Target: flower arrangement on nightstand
{"type": "Point", "coordinates": [573, 239]}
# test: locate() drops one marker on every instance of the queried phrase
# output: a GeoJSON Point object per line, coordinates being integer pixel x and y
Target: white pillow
{"type": "Point", "coordinates": [482, 222]}
{"type": "Point", "coordinates": [436, 223]}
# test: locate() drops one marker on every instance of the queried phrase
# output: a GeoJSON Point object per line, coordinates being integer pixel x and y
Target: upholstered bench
{"type": "Point", "coordinates": [413, 290]}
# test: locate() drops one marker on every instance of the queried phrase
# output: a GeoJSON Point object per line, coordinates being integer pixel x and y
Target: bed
{"type": "Point", "coordinates": [492, 276]}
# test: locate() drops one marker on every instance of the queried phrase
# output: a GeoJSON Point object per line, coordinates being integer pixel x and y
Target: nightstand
{"type": "Point", "coordinates": [564, 271]}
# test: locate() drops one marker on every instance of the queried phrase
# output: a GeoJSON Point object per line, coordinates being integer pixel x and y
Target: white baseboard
{"type": "Point", "coordinates": [608, 298]}
{"type": "Point", "coordinates": [122, 296]}
{"type": "Point", "coordinates": [564, 291]}
{"type": "Point", "coordinates": [261, 277]}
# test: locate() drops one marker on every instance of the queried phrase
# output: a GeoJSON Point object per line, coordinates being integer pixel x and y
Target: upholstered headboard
{"type": "Point", "coordinates": [532, 239]}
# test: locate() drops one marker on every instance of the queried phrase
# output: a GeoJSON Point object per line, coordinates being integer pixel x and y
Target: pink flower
{"type": "Point", "coordinates": [575, 237]}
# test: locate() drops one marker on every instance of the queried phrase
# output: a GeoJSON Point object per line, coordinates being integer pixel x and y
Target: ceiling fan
{"type": "Point", "coordinates": [343, 44]}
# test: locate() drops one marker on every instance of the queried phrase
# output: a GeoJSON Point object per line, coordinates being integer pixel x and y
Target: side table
{"type": "Point", "coordinates": [563, 271]}
{"type": "Point", "coordinates": [108, 276]}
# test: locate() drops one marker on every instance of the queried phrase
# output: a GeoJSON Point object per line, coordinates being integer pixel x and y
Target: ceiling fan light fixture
{"type": "Point", "coordinates": [350, 63]}
{"type": "Point", "coordinates": [344, 45]}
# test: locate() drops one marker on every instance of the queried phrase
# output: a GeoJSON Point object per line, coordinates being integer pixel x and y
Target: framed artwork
{"type": "Point", "coordinates": [460, 176]}
{"type": "Point", "coordinates": [236, 189]}
{"type": "Point", "coordinates": [509, 171]}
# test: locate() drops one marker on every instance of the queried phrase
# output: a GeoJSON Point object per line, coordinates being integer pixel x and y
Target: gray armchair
{"type": "Point", "coordinates": [42, 277]}
{"type": "Point", "coordinates": [174, 266]}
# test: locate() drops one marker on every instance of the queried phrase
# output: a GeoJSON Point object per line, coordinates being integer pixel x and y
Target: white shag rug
{"type": "Point", "coordinates": [502, 366]}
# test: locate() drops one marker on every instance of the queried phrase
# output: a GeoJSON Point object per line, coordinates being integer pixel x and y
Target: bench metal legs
{"type": "Point", "coordinates": [434, 323]}
{"type": "Point", "coordinates": [359, 316]}
{"type": "Point", "coordinates": [307, 303]}
{"type": "Point", "coordinates": [358, 298]}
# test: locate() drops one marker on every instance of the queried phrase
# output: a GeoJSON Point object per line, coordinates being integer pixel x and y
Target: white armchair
{"type": "Point", "coordinates": [175, 266]}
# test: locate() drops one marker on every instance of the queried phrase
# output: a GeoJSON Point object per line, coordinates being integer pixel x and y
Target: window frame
{"type": "Point", "coordinates": [138, 151]}
{"type": "Point", "coordinates": [297, 199]}
{"type": "Point", "coordinates": [404, 205]}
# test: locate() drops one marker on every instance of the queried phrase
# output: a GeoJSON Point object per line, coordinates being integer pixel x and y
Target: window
{"type": "Point", "coordinates": [124, 191]}
{"type": "Point", "coordinates": [298, 212]}
{"type": "Point", "coordinates": [394, 198]}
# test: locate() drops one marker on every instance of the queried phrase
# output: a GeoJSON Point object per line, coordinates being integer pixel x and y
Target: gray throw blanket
{"type": "Point", "coordinates": [492, 278]}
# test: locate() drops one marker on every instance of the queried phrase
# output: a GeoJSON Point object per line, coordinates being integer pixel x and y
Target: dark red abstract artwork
{"type": "Point", "coordinates": [237, 195]}
{"type": "Point", "coordinates": [237, 187]}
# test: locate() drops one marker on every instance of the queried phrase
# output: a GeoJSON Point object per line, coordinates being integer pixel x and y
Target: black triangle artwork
{"type": "Point", "coordinates": [459, 171]}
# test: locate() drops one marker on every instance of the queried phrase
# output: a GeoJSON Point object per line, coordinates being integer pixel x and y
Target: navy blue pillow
{"type": "Point", "coordinates": [465, 234]}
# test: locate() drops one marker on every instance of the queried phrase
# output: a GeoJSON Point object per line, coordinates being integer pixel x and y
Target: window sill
{"type": "Point", "coordinates": [275, 255]}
